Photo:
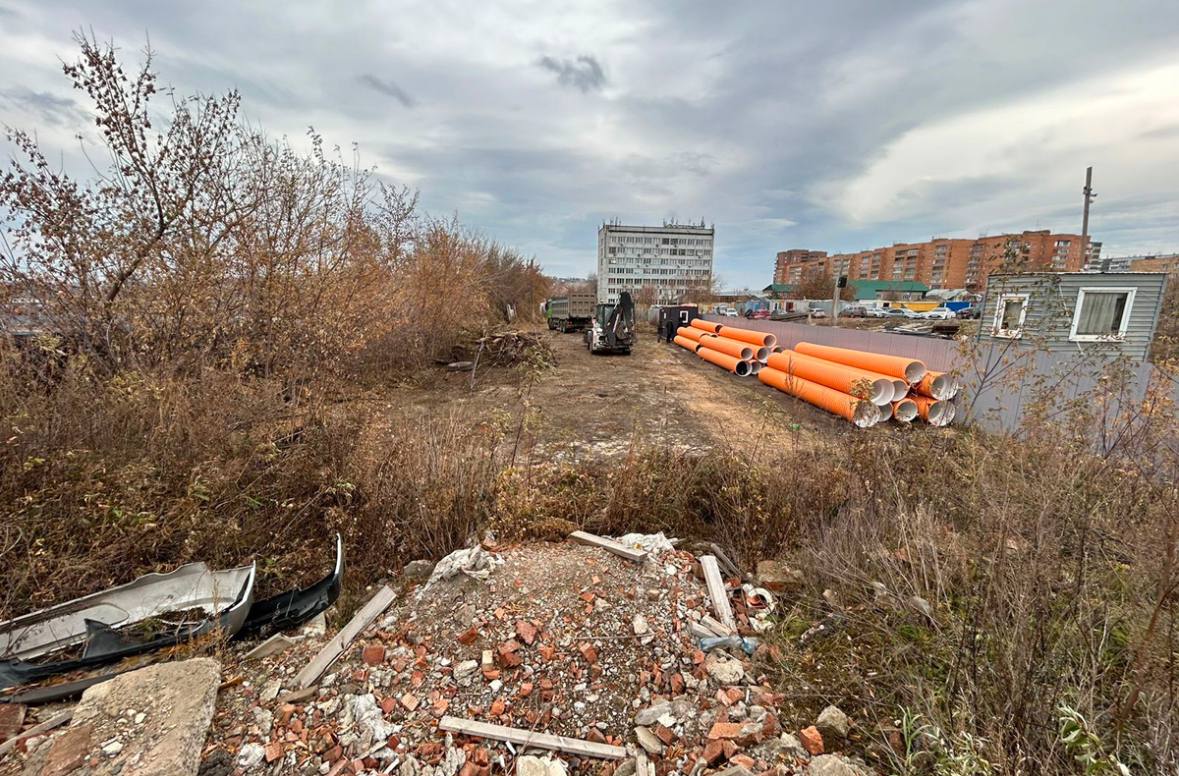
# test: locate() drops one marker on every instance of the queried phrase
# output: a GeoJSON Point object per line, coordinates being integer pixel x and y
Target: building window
{"type": "Point", "coordinates": [1009, 315]}
{"type": "Point", "coordinates": [1102, 314]}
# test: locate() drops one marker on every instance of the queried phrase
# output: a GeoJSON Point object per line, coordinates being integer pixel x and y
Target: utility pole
{"type": "Point", "coordinates": [1089, 195]}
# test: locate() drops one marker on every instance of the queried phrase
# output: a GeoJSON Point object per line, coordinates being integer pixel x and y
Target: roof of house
{"type": "Point", "coordinates": [778, 288]}
{"type": "Point", "coordinates": [871, 287]}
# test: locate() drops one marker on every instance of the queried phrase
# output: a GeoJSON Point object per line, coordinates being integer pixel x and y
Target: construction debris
{"type": "Point", "coordinates": [470, 727]}
{"type": "Point", "coordinates": [618, 548]}
{"type": "Point", "coordinates": [474, 562]}
{"type": "Point", "coordinates": [377, 604]}
{"type": "Point", "coordinates": [717, 592]}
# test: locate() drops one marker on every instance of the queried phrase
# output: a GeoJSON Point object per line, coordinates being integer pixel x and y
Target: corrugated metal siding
{"type": "Point", "coordinates": [1052, 304]}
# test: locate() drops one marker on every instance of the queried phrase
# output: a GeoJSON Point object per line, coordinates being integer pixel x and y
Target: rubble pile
{"type": "Point", "coordinates": [563, 640]}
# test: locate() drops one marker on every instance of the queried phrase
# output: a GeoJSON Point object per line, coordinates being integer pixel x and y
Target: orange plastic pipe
{"type": "Point", "coordinates": [909, 369]}
{"type": "Point", "coordinates": [690, 332]}
{"type": "Point", "coordinates": [759, 338]}
{"type": "Point", "coordinates": [687, 343]}
{"type": "Point", "coordinates": [703, 325]}
{"type": "Point", "coordinates": [876, 388]}
{"type": "Point", "coordinates": [932, 411]}
{"type": "Point", "coordinates": [741, 350]}
{"type": "Point", "coordinates": [861, 413]}
{"type": "Point", "coordinates": [904, 410]}
{"type": "Point", "coordinates": [737, 366]}
{"type": "Point", "coordinates": [938, 385]}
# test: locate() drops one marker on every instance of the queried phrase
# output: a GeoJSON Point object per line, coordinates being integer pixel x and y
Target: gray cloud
{"type": "Point", "coordinates": [583, 73]}
{"type": "Point", "coordinates": [721, 116]}
{"type": "Point", "coordinates": [49, 108]}
{"type": "Point", "coordinates": [389, 89]}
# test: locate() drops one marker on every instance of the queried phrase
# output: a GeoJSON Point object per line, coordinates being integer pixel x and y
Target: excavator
{"type": "Point", "coordinates": [613, 327]}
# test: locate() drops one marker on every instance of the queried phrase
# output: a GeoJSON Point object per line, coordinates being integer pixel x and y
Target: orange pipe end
{"type": "Point", "coordinates": [904, 410]}
{"type": "Point", "coordinates": [932, 411]}
{"type": "Point", "coordinates": [690, 332]}
{"type": "Point", "coordinates": [759, 338]}
{"type": "Point", "coordinates": [741, 350]}
{"type": "Point", "coordinates": [908, 369]}
{"type": "Point", "coordinates": [703, 325]}
{"type": "Point", "coordinates": [737, 366]}
{"type": "Point", "coordinates": [861, 413]}
{"type": "Point", "coordinates": [686, 343]}
{"type": "Point", "coordinates": [938, 385]}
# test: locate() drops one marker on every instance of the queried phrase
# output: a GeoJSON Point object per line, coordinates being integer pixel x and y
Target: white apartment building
{"type": "Point", "coordinates": [673, 259]}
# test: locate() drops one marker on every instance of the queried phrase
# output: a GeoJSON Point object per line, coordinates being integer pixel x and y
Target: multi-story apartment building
{"type": "Point", "coordinates": [787, 261]}
{"type": "Point", "coordinates": [942, 262]}
{"type": "Point", "coordinates": [674, 260]}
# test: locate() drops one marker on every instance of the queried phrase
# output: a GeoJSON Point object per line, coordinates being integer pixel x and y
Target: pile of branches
{"type": "Point", "coordinates": [513, 348]}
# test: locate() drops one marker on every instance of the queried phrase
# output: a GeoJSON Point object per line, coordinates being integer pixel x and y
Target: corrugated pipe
{"type": "Point", "coordinates": [703, 325]}
{"type": "Point", "coordinates": [686, 343]}
{"type": "Point", "coordinates": [909, 369]}
{"type": "Point", "coordinates": [904, 410]}
{"type": "Point", "coordinates": [734, 348]}
{"type": "Point", "coordinates": [759, 338]}
{"type": "Point", "coordinates": [877, 389]}
{"type": "Point", "coordinates": [690, 332]}
{"type": "Point", "coordinates": [938, 385]}
{"type": "Point", "coordinates": [932, 411]}
{"type": "Point", "coordinates": [860, 412]}
{"type": "Point", "coordinates": [737, 366]}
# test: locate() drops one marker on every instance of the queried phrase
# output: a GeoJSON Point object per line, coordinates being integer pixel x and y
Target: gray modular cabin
{"type": "Point", "coordinates": [1095, 313]}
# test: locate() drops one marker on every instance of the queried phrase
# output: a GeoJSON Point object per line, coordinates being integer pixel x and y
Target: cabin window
{"type": "Point", "coordinates": [1102, 314]}
{"type": "Point", "coordinates": [1010, 314]}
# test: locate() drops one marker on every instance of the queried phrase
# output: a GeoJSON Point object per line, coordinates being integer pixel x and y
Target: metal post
{"type": "Point", "coordinates": [835, 304]}
{"type": "Point", "coordinates": [1089, 195]}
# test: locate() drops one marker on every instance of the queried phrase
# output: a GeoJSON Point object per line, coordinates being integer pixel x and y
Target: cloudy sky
{"type": "Point", "coordinates": [837, 125]}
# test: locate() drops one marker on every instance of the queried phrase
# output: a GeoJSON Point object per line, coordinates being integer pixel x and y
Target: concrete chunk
{"type": "Point", "coordinates": [177, 700]}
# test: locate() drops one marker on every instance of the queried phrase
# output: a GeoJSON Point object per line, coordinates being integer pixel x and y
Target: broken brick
{"type": "Point", "coordinates": [374, 654]}
{"type": "Point", "coordinates": [525, 690]}
{"type": "Point", "coordinates": [546, 651]}
{"type": "Point", "coordinates": [498, 707]}
{"type": "Point", "coordinates": [664, 733]}
{"type": "Point", "coordinates": [812, 739]}
{"type": "Point", "coordinates": [713, 753]}
{"type": "Point", "coordinates": [589, 652]}
{"type": "Point", "coordinates": [273, 751]}
{"type": "Point", "coordinates": [388, 704]}
{"type": "Point", "coordinates": [724, 730]}
{"type": "Point", "coordinates": [469, 636]}
{"type": "Point", "coordinates": [526, 631]}
{"type": "Point", "coordinates": [744, 760]}
{"type": "Point", "coordinates": [410, 701]}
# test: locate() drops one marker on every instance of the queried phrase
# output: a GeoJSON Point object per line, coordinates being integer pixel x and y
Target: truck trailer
{"type": "Point", "coordinates": [572, 312]}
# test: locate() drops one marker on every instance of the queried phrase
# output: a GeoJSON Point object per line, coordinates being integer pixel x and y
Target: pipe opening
{"type": "Point", "coordinates": [914, 372]}
{"type": "Point", "coordinates": [742, 369]}
{"type": "Point", "coordinates": [944, 387]}
{"type": "Point", "coordinates": [762, 354]}
{"type": "Point", "coordinates": [755, 367]}
{"type": "Point", "coordinates": [866, 414]}
{"type": "Point", "coordinates": [771, 340]}
{"type": "Point", "coordinates": [905, 410]}
{"type": "Point", "coordinates": [881, 392]}
{"type": "Point", "coordinates": [900, 389]}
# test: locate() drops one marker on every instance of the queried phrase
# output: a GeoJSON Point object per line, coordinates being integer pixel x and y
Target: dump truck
{"type": "Point", "coordinates": [572, 312]}
{"type": "Point", "coordinates": [613, 327]}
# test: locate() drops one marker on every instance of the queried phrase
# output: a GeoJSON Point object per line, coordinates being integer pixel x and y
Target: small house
{"type": "Point", "coordinates": [1099, 313]}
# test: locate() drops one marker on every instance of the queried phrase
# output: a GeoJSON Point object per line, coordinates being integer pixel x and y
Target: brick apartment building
{"type": "Point", "coordinates": [941, 262]}
{"type": "Point", "coordinates": [797, 257]}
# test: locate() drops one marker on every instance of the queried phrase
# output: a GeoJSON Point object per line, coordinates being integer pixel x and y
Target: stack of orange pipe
{"type": "Point", "coordinates": [863, 387]}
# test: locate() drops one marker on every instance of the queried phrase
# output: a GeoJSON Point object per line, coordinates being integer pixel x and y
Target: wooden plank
{"type": "Point", "coordinates": [717, 591]}
{"type": "Point", "coordinates": [717, 628]}
{"type": "Point", "coordinates": [470, 727]}
{"type": "Point", "coordinates": [609, 545]}
{"type": "Point", "coordinates": [338, 643]}
{"type": "Point", "coordinates": [35, 730]}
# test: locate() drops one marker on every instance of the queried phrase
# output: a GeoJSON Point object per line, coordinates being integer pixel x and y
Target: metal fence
{"type": "Point", "coordinates": [999, 381]}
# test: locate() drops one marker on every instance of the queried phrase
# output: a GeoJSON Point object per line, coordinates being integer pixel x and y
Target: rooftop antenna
{"type": "Point", "coordinates": [1089, 195]}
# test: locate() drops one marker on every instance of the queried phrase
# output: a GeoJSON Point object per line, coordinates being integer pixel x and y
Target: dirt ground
{"type": "Point", "coordinates": [595, 404]}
